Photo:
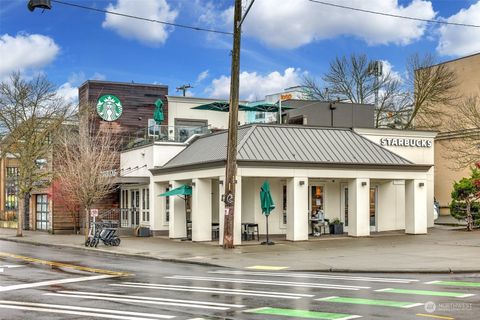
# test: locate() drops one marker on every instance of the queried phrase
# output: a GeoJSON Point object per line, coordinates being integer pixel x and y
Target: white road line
{"type": "Point", "coordinates": [276, 295]}
{"type": "Point", "coordinates": [11, 266]}
{"type": "Point", "coordinates": [413, 305]}
{"type": "Point", "coordinates": [53, 282]}
{"type": "Point", "coordinates": [79, 313]}
{"type": "Point", "coordinates": [77, 308]}
{"type": "Point", "coordinates": [314, 276]}
{"type": "Point", "coordinates": [153, 298]}
{"type": "Point", "coordinates": [433, 282]}
{"type": "Point", "coordinates": [273, 283]}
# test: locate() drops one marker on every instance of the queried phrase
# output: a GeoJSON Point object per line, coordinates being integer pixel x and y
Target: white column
{"type": "Point", "coordinates": [201, 210]}
{"type": "Point", "coordinates": [177, 226]}
{"type": "Point", "coordinates": [221, 208]}
{"type": "Point", "coordinates": [297, 209]}
{"type": "Point", "coordinates": [237, 222]}
{"type": "Point", "coordinates": [157, 205]}
{"type": "Point", "coordinates": [416, 206]}
{"type": "Point", "coordinates": [359, 207]}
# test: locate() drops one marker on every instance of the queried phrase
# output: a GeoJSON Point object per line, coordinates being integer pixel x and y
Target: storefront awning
{"type": "Point", "coordinates": [131, 180]}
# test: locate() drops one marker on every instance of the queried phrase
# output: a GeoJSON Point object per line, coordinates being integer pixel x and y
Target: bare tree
{"type": "Point", "coordinates": [86, 157]}
{"type": "Point", "coordinates": [462, 136]}
{"type": "Point", "coordinates": [31, 114]}
{"type": "Point", "coordinates": [402, 103]}
{"type": "Point", "coordinates": [431, 86]}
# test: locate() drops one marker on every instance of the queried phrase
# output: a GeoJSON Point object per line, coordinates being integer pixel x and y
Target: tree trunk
{"type": "Point", "coordinates": [86, 223]}
{"type": "Point", "coordinates": [20, 212]}
{"type": "Point", "coordinates": [469, 216]}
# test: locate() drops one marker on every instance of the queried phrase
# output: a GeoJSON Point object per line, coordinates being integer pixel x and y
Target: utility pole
{"type": "Point", "coordinates": [231, 168]}
{"type": "Point", "coordinates": [184, 88]}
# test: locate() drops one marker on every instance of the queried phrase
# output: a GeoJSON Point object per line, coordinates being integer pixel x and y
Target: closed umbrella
{"type": "Point", "coordinates": [183, 192]}
{"type": "Point", "coordinates": [267, 205]}
{"type": "Point", "coordinates": [158, 115]}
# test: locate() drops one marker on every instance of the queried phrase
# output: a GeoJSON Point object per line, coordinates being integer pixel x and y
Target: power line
{"type": "Point", "coordinates": [394, 15]}
{"type": "Point", "coordinates": [141, 18]}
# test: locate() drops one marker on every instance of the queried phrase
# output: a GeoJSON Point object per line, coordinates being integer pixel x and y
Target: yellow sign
{"type": "Point", "coordinates": [286, 96]}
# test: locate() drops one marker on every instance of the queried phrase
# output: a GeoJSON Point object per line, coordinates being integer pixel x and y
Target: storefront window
{"type": "Point", "coordinates": [11, 198]}
{"type": "Point", "coordinates": [317, 198]}
{"type": "Point", "coordinates": [167, 207]}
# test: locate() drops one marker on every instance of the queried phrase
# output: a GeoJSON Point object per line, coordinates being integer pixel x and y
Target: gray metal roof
{"type": "Point", "coordinates": [275, 143]}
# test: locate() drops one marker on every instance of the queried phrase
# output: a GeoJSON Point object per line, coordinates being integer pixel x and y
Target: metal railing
{"type": "Point", "coordinates": [161, 133]}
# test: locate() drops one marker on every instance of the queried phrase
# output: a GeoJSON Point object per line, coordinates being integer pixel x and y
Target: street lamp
{"type": "Point", "coordinates": [40, 4]}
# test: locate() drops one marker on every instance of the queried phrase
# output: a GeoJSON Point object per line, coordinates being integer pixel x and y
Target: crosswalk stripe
{"type": "Point", "coordinates": [79, 313]}
{"type": "Point", "coordinates": [302, 313]}
{"type": "Point", "coordinates": [372, 302]}
{"type": "Point", "coordinates": [455, 283]}
{"type": "Point", "coordinates": [177, 304]}
{"type": "Point", "coordinates": [77, 308]}
{"type": "Point", "coordinates": [268, 282]}
{"type": "Point", "coordinates": [277, 295]}
{"type": "Point", "coordinates": [53, 282]}
{"type": "Point", "coordinates": [313, 276]}
{"type": "Point", "coordinates": [428, 293]}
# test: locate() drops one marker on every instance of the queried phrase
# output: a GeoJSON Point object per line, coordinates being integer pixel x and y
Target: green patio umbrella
{"type": "Point", "coordinates": [266, 107]}
{"type": "Point", "coordinates": [183, 192]}
{"type": "Point", "coordinates": [222, 106]}
{"type": "Point", "coordinates": [267, 205]}
{"type": "Point", "coordinates": [158, 115]}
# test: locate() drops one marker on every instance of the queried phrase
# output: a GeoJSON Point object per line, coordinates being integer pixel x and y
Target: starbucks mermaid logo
{"type": "Point", "coordinates": [109, 107]}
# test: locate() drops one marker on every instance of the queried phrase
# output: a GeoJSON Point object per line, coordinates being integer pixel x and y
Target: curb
{"type": "Point", "coordinates": [208, 264]}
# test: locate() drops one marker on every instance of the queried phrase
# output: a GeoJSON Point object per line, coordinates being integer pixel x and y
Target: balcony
{"type": "Point", "coordinates": [161, 133]}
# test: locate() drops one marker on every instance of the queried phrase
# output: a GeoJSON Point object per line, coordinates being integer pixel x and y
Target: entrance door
{"type": "Point", "coordinates": [135, 205]}
{"type": "Point", "coordinates": [317, 198]}
{"type": "Point", "coordinates": [42, 211]}
{"type": "Point", "coordinates": [373, 208]}
{"type": "Point", "coordinates": [344, 206]}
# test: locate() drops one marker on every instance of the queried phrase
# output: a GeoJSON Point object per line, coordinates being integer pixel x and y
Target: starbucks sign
{"type": "Point", "coordinates": [109, 107]}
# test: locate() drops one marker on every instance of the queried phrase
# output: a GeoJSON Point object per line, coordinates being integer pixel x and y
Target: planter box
{"type": "Point", "coordinates": [336, 228]}
{"type": "Point", "coordinates": [8, 224]}
{"type": "Point", "coordinates": [143, 232]}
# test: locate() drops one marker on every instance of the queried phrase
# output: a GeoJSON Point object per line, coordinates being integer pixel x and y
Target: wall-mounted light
{"type": "Point", "coordinates": [193, 184]}
{"type": "Point", "coordinates": [421, 184]}
{"type": "Point", "coordinates": [364, 183]}
{"type": "Point", "coordinates": [220, 182]}
{"type": "Point", "coordinates": [301, 182]}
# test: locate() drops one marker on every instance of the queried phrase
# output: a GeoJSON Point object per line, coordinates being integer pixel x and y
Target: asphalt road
{"type": "Point", "coordinates": [38, 282]}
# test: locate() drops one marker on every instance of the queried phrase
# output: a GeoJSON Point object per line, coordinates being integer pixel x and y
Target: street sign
{"type": "Point", "coordinates": [94, 213]}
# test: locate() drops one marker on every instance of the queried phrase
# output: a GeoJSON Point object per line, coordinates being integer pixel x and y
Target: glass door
{"type": "Point", "coordinates": [42, 211]}
{"type": "Point", "coordinates": [373, 208]}
{"type": "Point", "coordinates": [317, 198]}
{"type": "Point", "coordinates": [135, 205]}
{"type": "Point", "coordinates": [344, 205]}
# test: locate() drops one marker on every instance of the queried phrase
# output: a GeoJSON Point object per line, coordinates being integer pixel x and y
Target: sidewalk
{"type": "Point", "coordinates": [444, 249]}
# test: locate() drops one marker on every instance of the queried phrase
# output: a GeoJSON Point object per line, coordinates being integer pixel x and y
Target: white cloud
{"type": "Point", "coordinates": [147, 32]}
{"type": "Point", "coordinates": [254, 86]}
{"type": "Point", "coordinates": [69, 90]}
{"type": "Point", "coordinates": [25, 52]}
{"type": "Point", "coordinates": [461, 41]}
{"type": "Point", "coordinates": [202, 76]}
{"type": "Point", "coordinates": [388, 69]}
{"type": "Point", "coordinates": [298, 22]}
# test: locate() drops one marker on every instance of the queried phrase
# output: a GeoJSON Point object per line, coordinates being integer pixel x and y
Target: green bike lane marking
{"type": "Point", "coordinates": [371, 302]}
{"type": "Point", "coordinates": [302, 313]}
{"type": "Point", "coordinates": [428, 293]}
{"type": "Point", "coordinates": [455, 283]}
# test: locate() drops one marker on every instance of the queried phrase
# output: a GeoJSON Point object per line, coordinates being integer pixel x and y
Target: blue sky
{"type": "Point", "coordinates": [282, 41]}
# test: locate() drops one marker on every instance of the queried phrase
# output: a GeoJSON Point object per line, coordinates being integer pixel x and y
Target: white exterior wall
{"type": "Point", "coordinates": [391, 205]}
{"type": "Point", "coordinates": [148, 157]}
{"type": "Point", "coordinates": [181, 108]}
{"type": "Point", "coordinates": [418, 155]}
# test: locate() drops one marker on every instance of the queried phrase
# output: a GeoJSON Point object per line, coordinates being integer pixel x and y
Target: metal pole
{"type": "Point", "coordinates": [280, 110]}
{"type": "Point", "coordinates": [231, 167]}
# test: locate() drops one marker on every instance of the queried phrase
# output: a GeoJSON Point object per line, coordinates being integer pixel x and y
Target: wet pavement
{"type": "Point", "coordinates": [38, 282]}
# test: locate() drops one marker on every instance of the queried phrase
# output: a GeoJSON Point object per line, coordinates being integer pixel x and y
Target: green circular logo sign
{"type": "Point", "coordinates": [109, 107]}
